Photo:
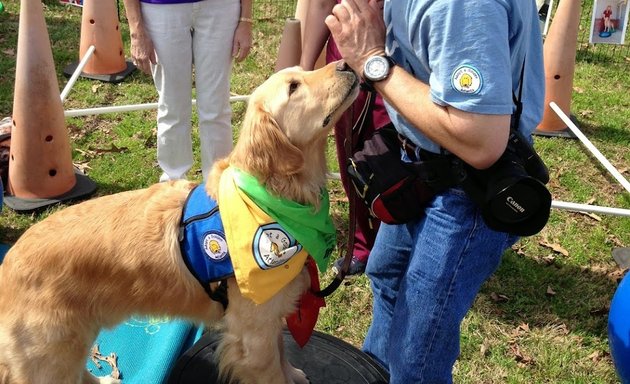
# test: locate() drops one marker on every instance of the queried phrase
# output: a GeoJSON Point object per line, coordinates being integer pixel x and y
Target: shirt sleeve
{"type": "Point", "coordinates": [467, 43]}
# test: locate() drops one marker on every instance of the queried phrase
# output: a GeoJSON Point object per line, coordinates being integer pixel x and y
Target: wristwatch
{"type": "Point", "coordinates": [377, 68]}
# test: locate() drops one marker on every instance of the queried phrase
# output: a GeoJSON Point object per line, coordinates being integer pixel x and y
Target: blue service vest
{"type": "Point", "coordinates": [202, 239]}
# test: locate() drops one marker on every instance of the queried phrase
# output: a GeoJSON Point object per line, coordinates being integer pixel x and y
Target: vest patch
{"type": "Point", "coordinates": [215, 245]}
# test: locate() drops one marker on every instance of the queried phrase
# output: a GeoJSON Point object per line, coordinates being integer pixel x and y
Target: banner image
{"type": "Point", "coordinates": [609, 22]}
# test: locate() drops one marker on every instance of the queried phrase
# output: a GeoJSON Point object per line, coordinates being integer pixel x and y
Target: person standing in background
{"type": "Point", "coordinates": [316, 34]}
{"type": "Point", "coordinates": [449, 72]}
{"type": "Point", "coordinates": [168, 39]}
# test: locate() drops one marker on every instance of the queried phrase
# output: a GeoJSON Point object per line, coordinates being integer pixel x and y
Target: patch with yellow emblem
{"type": "Point", "coordinates": [215, 246]}
{"type": "Point", "coordinates": [467, 79]}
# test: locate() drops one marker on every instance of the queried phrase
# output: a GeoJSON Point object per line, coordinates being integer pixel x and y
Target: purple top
{"type": "Point", "coordinates": [169, 1]}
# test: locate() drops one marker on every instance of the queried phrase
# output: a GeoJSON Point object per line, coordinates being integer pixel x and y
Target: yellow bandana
{"type": "Point", "coordinates": [265, 256]}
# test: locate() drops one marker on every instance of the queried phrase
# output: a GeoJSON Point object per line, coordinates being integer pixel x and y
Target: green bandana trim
{"type": "Point", "coordinates": [314, 230]}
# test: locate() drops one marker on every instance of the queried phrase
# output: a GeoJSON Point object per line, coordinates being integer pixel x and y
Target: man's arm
{"type": "Point", "coordinates": [142, 50]}
{"type": "Point", "coordinates": [475, 138]}
{"type": "Point", "coordinates": [316, 32]}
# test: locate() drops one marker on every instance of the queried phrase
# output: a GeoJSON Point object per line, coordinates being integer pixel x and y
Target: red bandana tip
{"type": "Point", "coordinates": [301, 323]}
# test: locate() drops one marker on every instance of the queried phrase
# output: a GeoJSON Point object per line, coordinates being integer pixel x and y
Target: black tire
{"type": "Point", "coordinates": [325, 360]}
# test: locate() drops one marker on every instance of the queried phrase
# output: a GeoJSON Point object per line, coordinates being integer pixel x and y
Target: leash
{"type": "Point", "coordinates": [349, 147]}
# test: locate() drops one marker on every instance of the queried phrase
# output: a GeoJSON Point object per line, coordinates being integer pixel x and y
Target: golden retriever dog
{"type": "Point", "coordinates": [94, 264]}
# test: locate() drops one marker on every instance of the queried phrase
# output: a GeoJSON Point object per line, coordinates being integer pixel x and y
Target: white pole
{"type": "Point", "coordinates": [77, 72]}
{"type": "Point", "coordinates": [590, 208]}
{"type": "Point", "coordinates": [128, 108]}
{"type": "Point", "coordinates": [590, 146]}
{"type": "Point", "coordinates": [111, 109]}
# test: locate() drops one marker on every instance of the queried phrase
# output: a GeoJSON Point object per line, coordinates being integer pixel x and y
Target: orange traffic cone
{"type": "Point", "coordinates": [290, 48]}
{"type": "Point", "coordinates": [41, 172]}
{"type": "Point", "coordinates": [559, 52]}
{"type": "Point", "coordinates": [100, 28]}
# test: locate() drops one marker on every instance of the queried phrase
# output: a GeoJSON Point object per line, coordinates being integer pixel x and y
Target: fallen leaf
{"type": "Point", "coordinates": [498, 298]}
{"type": "Point", "coordinates": [550, 291]}
{"type": "Point", "coordinates": [484, 350]}
{"type": "Point", "coordinates": [519, 356]}
{"type": "Point", "coordinates": [591, 215]}
{"type": "Point", "coordinates": [555, 247]}
{"type": "Point", "coordinates": [112, 149]}
{"type": "Point", "coordinates": [599, 311]}
{"type": "Point", "coordinates": [595, 356]}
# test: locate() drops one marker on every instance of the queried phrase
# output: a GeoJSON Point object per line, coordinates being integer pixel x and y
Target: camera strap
{"type": "Point", "coordinates": [516, 116]}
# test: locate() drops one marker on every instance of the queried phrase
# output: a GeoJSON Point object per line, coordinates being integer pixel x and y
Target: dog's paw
{"type": "Point", "coordinates": [108, 380]}
{"type": "Point", "coordinates": [297, 376]}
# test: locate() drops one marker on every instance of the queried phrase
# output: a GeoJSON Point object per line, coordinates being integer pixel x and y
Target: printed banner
{"type": "Point", "coordinates": [609, 22]}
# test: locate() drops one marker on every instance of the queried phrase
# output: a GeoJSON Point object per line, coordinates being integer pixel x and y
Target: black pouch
{"type": "Point", "coordinates": [391, 188]}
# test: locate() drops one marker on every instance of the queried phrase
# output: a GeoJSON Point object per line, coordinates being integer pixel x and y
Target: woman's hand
{"type": "Point", "coordinates": [242, 39]}
{"type": "Point", "coordinates": [142, 51]}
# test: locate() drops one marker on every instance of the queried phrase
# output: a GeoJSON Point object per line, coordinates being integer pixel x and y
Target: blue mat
{"type": "Point", "coordinates": [145, 348]}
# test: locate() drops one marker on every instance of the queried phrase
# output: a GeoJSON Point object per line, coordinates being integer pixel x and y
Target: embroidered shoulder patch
{"type": "Point", "coordinates": [273, 246]}
{"type": "Point", "coordinates": [467, 79]}
{"type": "Point", "coordinates": [215, 246]}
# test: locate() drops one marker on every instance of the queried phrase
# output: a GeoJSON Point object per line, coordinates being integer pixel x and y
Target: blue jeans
{"type": "Point", "coordinates": [425, 276]}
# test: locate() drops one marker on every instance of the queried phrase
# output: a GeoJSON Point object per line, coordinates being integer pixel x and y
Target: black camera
{"type": "Point", "coordinates": [512, 193]}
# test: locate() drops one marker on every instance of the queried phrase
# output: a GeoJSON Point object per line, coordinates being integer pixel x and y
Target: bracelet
{"type": "Point", "coordinates": [246, 20]}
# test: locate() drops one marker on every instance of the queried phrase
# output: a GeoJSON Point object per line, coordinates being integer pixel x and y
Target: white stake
{"type": "Point", "coordinates": [590, 146]}
{"type": "Point", "coordinates": [77, 72]}
{"type": "Point", "coordinates": [128, 108]}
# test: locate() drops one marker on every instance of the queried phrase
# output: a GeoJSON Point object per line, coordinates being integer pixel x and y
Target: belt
{"type": "Point", "coordinates": [438, 170]}
{"type": "Point", "coordinates": [416, 153]}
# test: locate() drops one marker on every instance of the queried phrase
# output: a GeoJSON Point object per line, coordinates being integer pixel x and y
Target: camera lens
{"type": "Point", "coordinates": [515, 203]}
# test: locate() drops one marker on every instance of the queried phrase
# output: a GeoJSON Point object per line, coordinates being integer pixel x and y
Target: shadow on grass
{"type": "Point", "coordinates": [541, 294]}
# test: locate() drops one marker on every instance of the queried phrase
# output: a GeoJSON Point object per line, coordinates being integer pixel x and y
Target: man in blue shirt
{"type": "Point", "coordinates": [447, 70]}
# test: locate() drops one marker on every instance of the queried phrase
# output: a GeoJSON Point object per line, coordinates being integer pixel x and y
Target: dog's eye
{"type": "Point", "coordinates": [293, 86]}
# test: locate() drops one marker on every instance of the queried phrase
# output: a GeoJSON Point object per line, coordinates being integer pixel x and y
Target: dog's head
{"type": "Point", "coordinates": [283, 138]}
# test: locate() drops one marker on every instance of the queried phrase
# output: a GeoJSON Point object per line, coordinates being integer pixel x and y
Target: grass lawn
{"type": "Point", "coordinates": [542, 318]}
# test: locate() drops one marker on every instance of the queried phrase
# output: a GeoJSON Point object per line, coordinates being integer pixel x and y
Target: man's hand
{"type": "Point", "coordinates": [359, 30]}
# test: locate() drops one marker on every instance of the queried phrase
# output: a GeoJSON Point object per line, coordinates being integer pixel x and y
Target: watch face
{"type": "Point", "coordinates": [376, 68]}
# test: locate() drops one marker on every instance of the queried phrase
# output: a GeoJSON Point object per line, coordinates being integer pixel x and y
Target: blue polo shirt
{"type": "Point", "coordinates": [471, 54]}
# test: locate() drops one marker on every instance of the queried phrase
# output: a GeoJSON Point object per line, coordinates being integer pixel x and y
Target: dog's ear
{"type": "Point", "coordinates": [264, 149]}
